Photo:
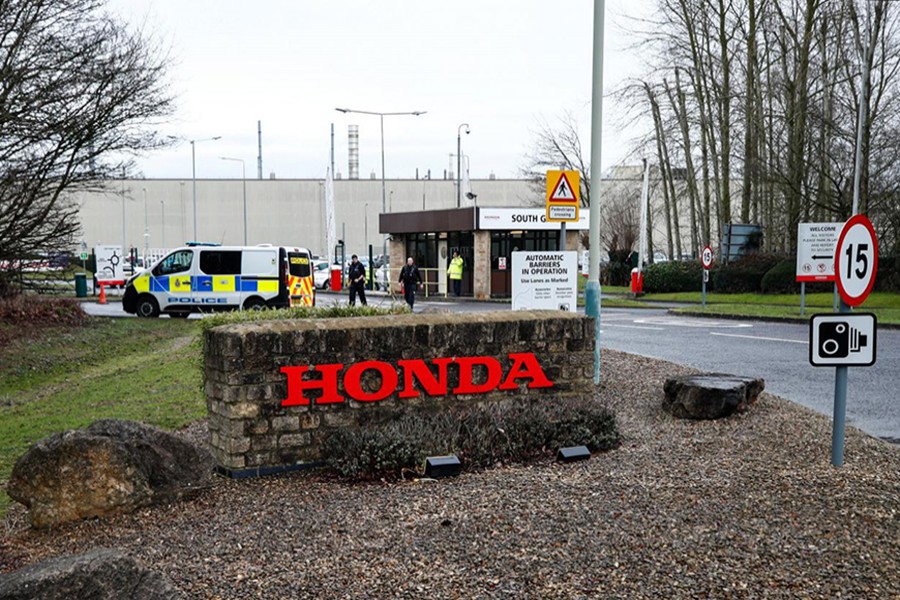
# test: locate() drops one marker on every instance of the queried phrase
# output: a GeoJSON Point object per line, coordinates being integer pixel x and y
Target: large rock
{"type": "Point", "coordinates": [99, 575]}
{"type": "Point", "coordinates": [710, 396]}
{"type": "Point", "coordinates": [109, 467]}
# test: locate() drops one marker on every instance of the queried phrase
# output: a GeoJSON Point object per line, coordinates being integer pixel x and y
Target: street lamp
{"type": "Point", "coordinates": [146, 227]}
{"type": "Point", "coordinates": [194, 174]}
{"type": "Point", "coordinates": [459, 162]}
{"type": "Point", "coordinates": [244, 179]}
{"type": "Point", "coordinates": [382, 115]}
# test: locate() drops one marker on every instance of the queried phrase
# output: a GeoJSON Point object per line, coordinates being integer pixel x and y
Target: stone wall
{"type": "Point", "coordinates": [276, 389]}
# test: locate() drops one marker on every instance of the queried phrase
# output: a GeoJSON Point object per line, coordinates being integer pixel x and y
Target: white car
{"type": "Point", "coordinates": [382, 277]}
{"type": "Point", "coordinates": [321, 274]}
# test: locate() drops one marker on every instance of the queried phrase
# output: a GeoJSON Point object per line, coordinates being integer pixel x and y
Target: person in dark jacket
{"type": "Point", "coordinates": [357, 277]}
{"type": "Point", "coordinates": [410, 280]}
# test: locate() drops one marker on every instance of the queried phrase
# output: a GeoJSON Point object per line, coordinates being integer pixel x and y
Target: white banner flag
{"type": "Point", "coordinates": [330, 228]}
{"type": "Point", "coordinates": [468, 198]}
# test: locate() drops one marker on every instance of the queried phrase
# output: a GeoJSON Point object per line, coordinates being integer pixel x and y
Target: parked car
{"type": "Point", "coordinates": [383, 277]}
{"type": "Point", "coordinates": [321, 274]}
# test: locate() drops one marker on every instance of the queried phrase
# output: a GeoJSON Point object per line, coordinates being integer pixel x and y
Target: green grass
{"type": "Point", "coordinates": [875, 300]}
{"type": "Point", "coordinates": [884, 315]}
{"type": "Point", "coordinates": [64, 378]}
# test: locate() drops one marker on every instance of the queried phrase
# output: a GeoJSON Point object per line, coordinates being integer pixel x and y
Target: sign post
{"type": "Point", "coordinates": [545, 280]}
{"type": "Point", "coordinates": [706, 258]}
{"type": "Point", "coordinates": [815, 254]}
{"type": "Point", "coordinates": [845, 339]}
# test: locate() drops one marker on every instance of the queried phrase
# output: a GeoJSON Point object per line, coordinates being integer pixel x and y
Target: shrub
{"type": "Point", "coordinates": [481, 436]}
{"type": "Point", "coordinates": [887, 279]}
{"type": "Point", "coordinates": [780, 279]}
{"type": "Point", "coordinates": [618, 271]}
{"type": "Point", "coordinates": [35, 310]}
{"type": "Point", "coordinates": [743, 275]}
{"type": "Point", "coordinates": [674, 276]}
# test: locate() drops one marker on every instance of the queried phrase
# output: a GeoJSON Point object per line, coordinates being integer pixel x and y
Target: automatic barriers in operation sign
{"type": "Point", "coordinates": [842, 340]}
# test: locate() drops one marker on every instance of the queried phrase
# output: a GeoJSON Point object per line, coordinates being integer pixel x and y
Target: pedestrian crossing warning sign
{"type": "Point", "coordinates": [563, 195]}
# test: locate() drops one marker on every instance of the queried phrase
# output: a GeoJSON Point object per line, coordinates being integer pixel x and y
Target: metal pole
{"type": "Point", "coordinates": [863, 105]}
{"type": "Point", "coordinates": [458, 168]}
{"type": "Point", "coordinates": [592, 290]}
{"type": "Point", "coordinates": [703, 295]}
{"type": "Point", "coordinates": [562, 236]}
{"type": "Point", "coordinates": [244, 177]}
{"type": "Point", "coordinates": [802, 297]}
{"type": "Point", "coordinates": [194, 182]}
{"type": "Point", "coordinates": [162, 228]}
{"type": "Point", "coordinates": [146, 227]}
{"type": "Point", "coordinates": [383, 193]}
{"type": "Point", "coordinates": [840, 409]}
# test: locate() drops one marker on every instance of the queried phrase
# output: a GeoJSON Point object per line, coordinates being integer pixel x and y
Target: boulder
{"type": "Point", "coordinates": [111, 466]}
{"type": "Point", "coordinates": [710, 396]}
{"type": "Point", "coordinates": [100, 575]}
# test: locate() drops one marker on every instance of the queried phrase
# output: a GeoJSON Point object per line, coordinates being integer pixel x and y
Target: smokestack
{"type": "Point", "coordinates": [259, 157]}
{"type": "Point", "coordinates": [353, 150]}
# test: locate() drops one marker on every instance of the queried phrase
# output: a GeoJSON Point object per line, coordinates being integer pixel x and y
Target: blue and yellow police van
{"type": "Point", "coordinates": [207, 278]}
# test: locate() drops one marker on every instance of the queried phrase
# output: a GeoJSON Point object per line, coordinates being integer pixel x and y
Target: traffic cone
{"type": "Point", "coordinates": [102, 294]}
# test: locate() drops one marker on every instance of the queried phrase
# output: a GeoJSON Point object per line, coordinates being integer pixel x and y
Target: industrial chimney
{"type": "Point", "coordinates": [353, 150]}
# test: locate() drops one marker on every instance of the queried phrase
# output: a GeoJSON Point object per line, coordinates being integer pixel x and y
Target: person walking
{"type": "Point", "coordinates": [455, 271]}
{"type": "Point", "coordinates": [410, 280]}
{"type": "Point", "coordinates": [357, 277]}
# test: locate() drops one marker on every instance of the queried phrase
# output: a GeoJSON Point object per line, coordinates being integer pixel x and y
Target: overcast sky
{"type": "Point", "coordinates": [498, 66]}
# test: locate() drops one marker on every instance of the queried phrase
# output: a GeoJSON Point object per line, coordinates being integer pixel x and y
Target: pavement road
{"type": "Point", "coordinates": [777, 352]}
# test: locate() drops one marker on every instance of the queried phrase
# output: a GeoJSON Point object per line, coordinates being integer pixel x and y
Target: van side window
{"type": "Point", "coordinates": [177, 262]}
{"type": "Point", "coordinates": [220, 262]}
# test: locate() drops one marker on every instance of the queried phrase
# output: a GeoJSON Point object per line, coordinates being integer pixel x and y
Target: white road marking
{"type": "Point", "coordinates": [701, 323]}
{"type": "Point", "coordinates": [758, 337]}
{"type": "Point", "coordinates": [636, 327]}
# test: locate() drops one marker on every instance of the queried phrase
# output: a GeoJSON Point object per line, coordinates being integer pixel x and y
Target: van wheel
{"type": "Point", "coordinates": [147, 307]}
{"type": "Point", "coordinates": [254, 304]}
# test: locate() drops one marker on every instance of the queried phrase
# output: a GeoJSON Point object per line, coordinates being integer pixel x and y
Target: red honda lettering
{"type": "Point", "coordinates": [418, 369]}
{"type": "Point", "coordinates": [296, 385]}
{"type": "Point", "coordinates": [525, 366]}
{"type": "Point", "coordinates": [466, 385]}
{"type": "Point", "coordinates": [353, 383]}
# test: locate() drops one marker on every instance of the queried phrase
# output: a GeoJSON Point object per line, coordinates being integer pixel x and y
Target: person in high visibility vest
{"type": "Point", "coordinates": [455, 271]}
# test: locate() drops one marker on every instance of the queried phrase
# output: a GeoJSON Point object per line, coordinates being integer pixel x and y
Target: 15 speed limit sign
{"type": "Point", "coordinates": [706, 257]}
{"type": "Point", "coordinates": [856, 260]}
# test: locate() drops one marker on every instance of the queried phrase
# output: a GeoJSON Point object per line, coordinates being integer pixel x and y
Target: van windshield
{"type": "Point", "coordinates": [299, 264]}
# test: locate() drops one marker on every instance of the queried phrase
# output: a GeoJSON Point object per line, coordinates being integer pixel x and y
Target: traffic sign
{"type": "Point", "coordinates": [563, 196]}
{"type": "Point", "coordinates": [84, 256]}
{"type": "Point", "coordinates": [815, 250]}
{"type": "Point", "coordinates": [856, 260]}
{"type": "Point", "coordinates": [842, 340]}
{"type": "Point", "coordinates": [706, 257]}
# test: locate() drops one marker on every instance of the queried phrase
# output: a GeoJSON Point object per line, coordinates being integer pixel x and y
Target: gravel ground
{"type": "Point", "coordinates": [746, 507]}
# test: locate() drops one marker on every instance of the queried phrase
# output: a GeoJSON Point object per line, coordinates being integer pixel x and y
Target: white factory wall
{"type": "Point", "coordinates": [281, 212]}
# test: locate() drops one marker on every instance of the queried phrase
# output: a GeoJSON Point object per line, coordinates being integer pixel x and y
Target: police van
{"type": "Point", "coordinates": [208, 278]}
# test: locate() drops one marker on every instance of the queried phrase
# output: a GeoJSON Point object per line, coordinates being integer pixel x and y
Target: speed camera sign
{"type": "Point", "coordinates": [856, 260]}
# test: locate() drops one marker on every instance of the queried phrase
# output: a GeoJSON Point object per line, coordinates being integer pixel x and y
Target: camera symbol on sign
{"type": "Point", "coordinates": [837, 339]}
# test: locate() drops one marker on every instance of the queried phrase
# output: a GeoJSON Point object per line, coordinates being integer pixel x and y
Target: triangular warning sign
{"type": "Point", "coordinates": [563, 191]}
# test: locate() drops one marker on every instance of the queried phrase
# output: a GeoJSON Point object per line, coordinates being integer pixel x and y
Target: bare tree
{"type": "Point", "coordinates": [79, 93]}
{"type": "Point", "coordinates": [558, 147]}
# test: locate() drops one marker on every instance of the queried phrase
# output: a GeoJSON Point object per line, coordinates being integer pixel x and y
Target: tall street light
{"type": "Point", "coordinates": [194, 175]}
{"type": "Point", "coordinates": [459, 162]}
{"type": "Point", "coordinates": [244, 179]}
{"type": "Point", "coordinates": [162, 227]}
{"type": "Point", "coordinates": [146, 227]}
{"type": "Point", "coordinates": [382, 115]}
